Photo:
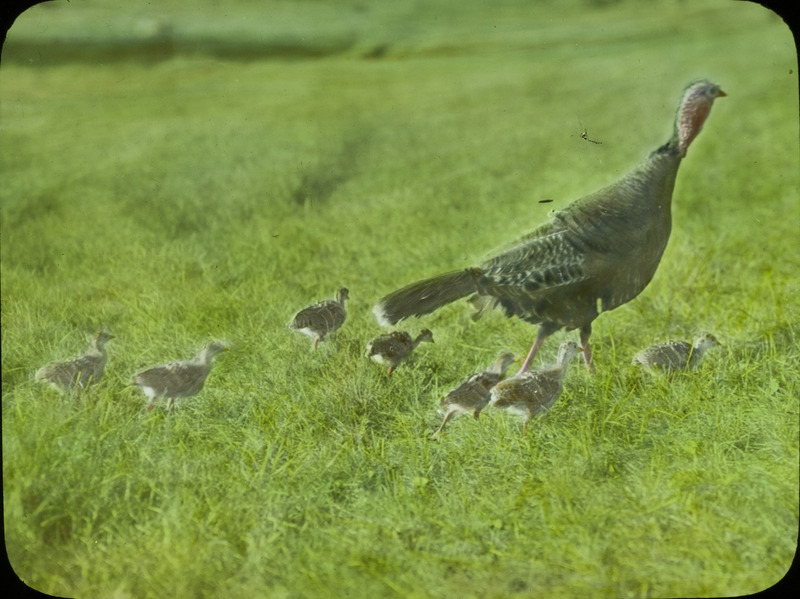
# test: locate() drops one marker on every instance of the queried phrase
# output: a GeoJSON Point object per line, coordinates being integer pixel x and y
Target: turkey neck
{"type": "Point", "coordinates": [206, 355]}
{"type": "Point", "coordinates": [417, 341]}
{"type": "Point", "coordinates": [696, 353]}
{"type": "Point", "coordinates": [97, 349]}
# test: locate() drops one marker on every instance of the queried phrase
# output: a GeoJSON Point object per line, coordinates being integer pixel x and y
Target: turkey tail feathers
{"type": "Point", "coordinates": [425, 296]}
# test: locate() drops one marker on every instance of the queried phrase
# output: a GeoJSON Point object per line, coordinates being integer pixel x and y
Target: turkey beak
{"type": "Point", "coordinates": [721, 94]}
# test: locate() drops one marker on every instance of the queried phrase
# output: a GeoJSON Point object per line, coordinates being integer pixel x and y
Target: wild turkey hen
{"type": "Point", "coordinates": [178, 379]}
{"type": "Point", "coordinates": [322, 318]}
{"type": "Point", "coordinates": [597, 254]}
{"type": "Point", "coordinates": [80, 371]}
{"type": "Point", "coordinates": [474, 393]}
{"type": "Point", "coordinates": [675, 355]}
{"type": "Point", "coordinates": [534, 391]}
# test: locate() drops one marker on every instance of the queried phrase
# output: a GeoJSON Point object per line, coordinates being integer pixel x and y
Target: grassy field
{"type": "Point", "coordinates": [179, 177]}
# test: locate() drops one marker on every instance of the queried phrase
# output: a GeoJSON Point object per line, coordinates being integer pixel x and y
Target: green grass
{"type": "Point", "coordinates": [172, 201]}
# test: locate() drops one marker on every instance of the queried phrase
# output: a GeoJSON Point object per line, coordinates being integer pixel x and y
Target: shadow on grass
{"type": "Point", "coordinates": [164, 47]}
{"type": "Point", "coordinates": [319, 181]}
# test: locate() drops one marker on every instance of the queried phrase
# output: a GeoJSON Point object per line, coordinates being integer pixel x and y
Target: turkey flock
{"type": "Point", "coordinates": [595, 255]}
